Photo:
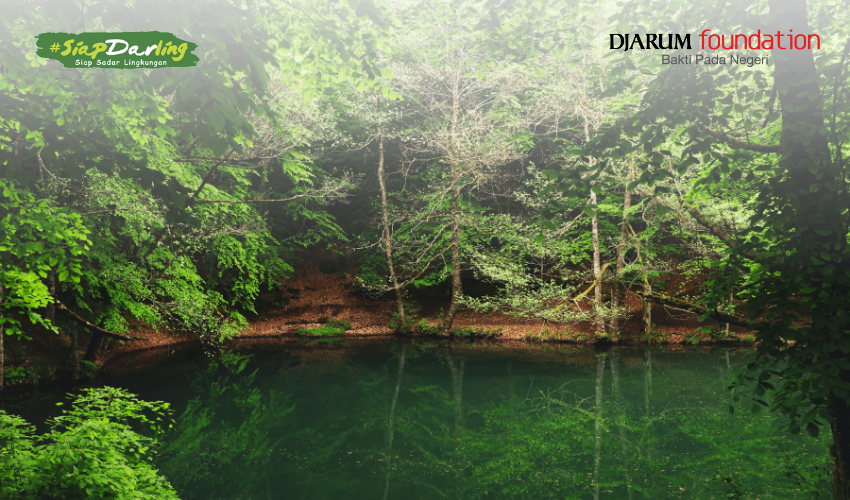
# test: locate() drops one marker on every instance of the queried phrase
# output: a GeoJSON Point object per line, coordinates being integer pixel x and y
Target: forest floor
{"type": "Point", "coordinates": [313, 294]}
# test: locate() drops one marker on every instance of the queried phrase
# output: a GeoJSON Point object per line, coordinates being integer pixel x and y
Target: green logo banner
{"type": "Point", "coordinates": [130, 50]}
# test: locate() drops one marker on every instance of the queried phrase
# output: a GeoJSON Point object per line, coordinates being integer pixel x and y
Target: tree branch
{"type": "Point", "coordinates": [96, 328]}
{"type": "Point", "coordinates": [710, 225]}
{"type": "Point", "coordinates": [209, 174]}
{"type": "Point", "coordinates": [739, 144]}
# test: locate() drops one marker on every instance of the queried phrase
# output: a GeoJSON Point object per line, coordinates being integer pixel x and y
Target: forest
{"type": "Point", "coordinates": [439, 175]}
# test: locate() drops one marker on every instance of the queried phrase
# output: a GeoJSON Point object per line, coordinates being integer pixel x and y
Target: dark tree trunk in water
{"type": "Point", "coordinates": [456, 366]}
{"type": "Point", "coordinates": [390, 421]}
{"type": "Point", "coordinates": [647, 379]}
{"type": "Point", "coordinates": [597, 455]}
{"type": "Point", "coordinates": [621, 421]}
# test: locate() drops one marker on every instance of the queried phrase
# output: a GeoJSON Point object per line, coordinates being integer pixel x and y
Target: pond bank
{"type": "Point", "coordinates": [314, 294]}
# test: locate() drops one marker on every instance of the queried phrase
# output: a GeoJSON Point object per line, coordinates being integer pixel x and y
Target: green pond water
{"type": "Point", "coordinates": [435, 420]}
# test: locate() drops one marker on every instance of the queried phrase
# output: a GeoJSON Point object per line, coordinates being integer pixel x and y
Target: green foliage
{"type": "Point", "coordinates": [323, 331]}
{"type": "Point", "coordinates": [788, 260]}
{"type": "Point", "coordinates": [174, 243]}
{"type": "Point", "coordinates": [225, 435]}
{"type": "Point", "coordinates": [655, 336]}
{"type": "Point", "coordinates": [17, 375]}
{"type": "Point", "coordinates": [91, 451]}
{"type": "Point", "coordinates": [332, 327]}
{"type": "Point", "coordinates": [35, 239]}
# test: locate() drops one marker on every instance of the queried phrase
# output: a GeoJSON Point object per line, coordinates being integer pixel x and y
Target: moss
{"type": "Point", "coordinates": [323, 331]}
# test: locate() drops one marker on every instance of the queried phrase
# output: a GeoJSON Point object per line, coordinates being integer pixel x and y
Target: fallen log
{"type": "Point", "coordinates": [682, 304]}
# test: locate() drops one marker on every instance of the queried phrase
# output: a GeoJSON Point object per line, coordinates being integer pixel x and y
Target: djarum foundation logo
{"type": "Point", "coordinates": [713, 46]}
{"type": "Point", "coordinates": [130, 50]}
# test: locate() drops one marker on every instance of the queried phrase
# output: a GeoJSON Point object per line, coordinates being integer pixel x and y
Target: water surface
{"type": "Point", "coordinates": [434, 420]}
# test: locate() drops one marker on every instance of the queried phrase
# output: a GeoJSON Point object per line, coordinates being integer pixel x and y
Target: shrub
{"type": "Point", "coordinates": [90, 452]}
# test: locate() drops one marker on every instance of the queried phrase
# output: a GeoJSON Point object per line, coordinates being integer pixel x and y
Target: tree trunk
{"type": "Point", "coordinates": [2, 348]}
{"type": "Point", "coordinates": [597, 455]}
{"type": "Point", "coordinates": [388, 245]}
{"type": "Point", "coordinates": [597, 266]}
{"type": "Point", "coordinates": [511, 385]}
{"type": "Point", "coordinates": [457, 288]}
{"type": "Point", "coordinates": [2, 355]}
{"type": "Point", "coordinates": [647, 289]}
{"type": "Point", "coordinates": [839, 450]}
{"type": "Point", "coordinates": [50, 309]}
{"type": "Point", "coordinates": [647, 379]}
{"type": "Point", "coordinates": [456, 366]}
{"type": "Point", "coordinates": [621, 420]}
{"type": "Point", "coordinates": [810, 204]}
{"type": "Point", "coordinates": [619, 296]}
{"type": "Point", "coordinates": [390, 421]}
{"type": "Point", "coordinates": [647, 310]}
{"type": "Point", "coordinates": [75, 351]}
{"type": "Point", "coordinates": [94, 347]}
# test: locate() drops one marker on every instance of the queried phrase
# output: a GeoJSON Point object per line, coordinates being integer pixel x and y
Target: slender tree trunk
{"type": "Point", "coordinates": [619, 296]}
{"type": "Point", "coordinates": [597, 266]}
{"type": "Point", "coordinates": [385, 217]}
{"type": "Point", "coordinates": [597, 455]}
{"type": "Point", "coordinates": [647, 289]}
{"type": "Point", "coordinates": [50, 309]}
{"type": "Point", "coordinates": [456, 366]}
{"type": "Point", "coordinates": [2, 348]}
{"type": "Point", "coordinates": [511, 384]}
{"type": "Point", "coordinates": [621, 420]}
{"type": "Point", "coordinates": [647, 379]}
{"type": "Point", "coordinates": [391, 421]}
{"type": "Point", "coordinates": [75, 351]}
{"type": "Point", "coordinates": [457, 288]}
{"type": "Point", "coordinates": [94, 347]}
{"type": "Point", "coordinates": [647, 310]}
{"type": "Point", "coordinates": [2, 355]}
{"type": "Point", "coordinates": [399, 295]}
{"type": "Point", "coordinates": [839, 450]}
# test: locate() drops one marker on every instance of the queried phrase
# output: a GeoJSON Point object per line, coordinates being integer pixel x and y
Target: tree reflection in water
{"type": "Point", "coordinates": [421, 420]}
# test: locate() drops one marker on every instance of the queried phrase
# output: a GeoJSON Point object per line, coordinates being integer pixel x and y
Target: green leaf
{"type": "Point", "coordinates": [812, 429]}
{"type": "Point", "coordinates": [216, 119]}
